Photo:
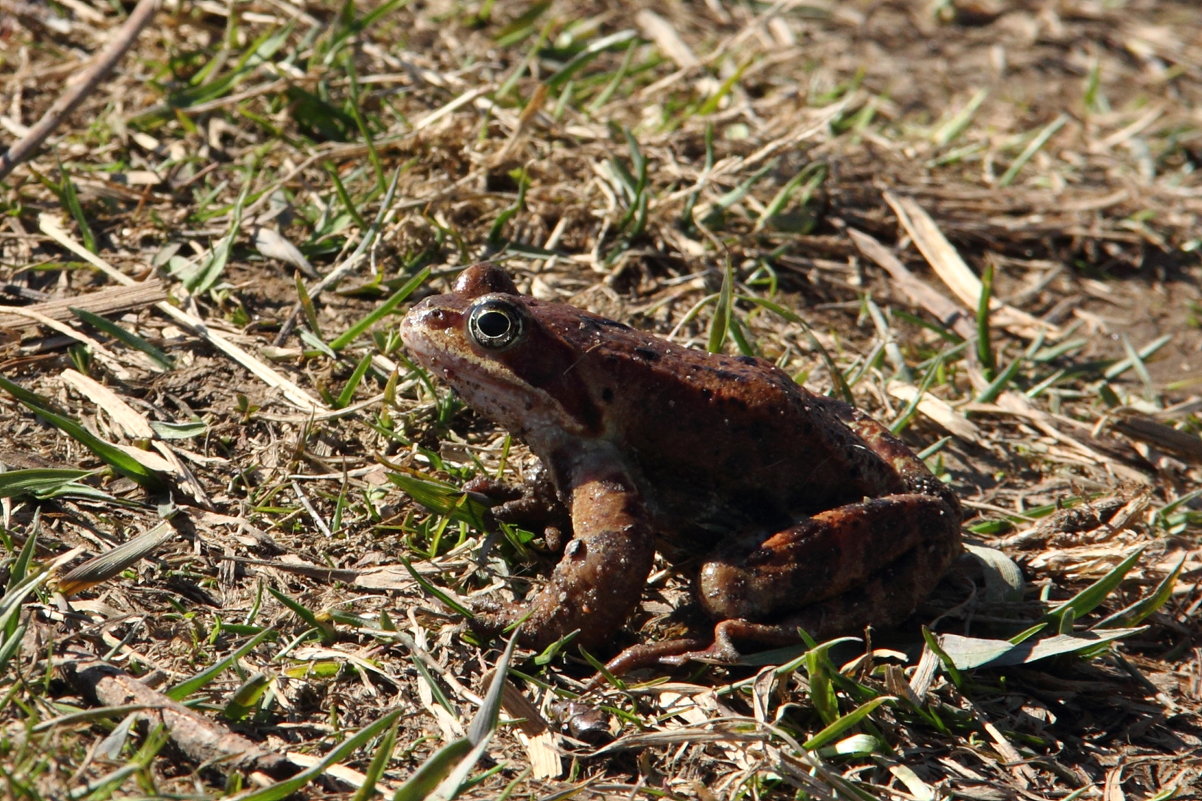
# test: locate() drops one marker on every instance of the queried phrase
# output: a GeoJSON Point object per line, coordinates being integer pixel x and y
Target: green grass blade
{"type": "Point", "coordinates": [1089, 598]}
{"type": "Point", "coordinates": [204, 90]}
{"type": "Point", "coordinates": [1031, 149]}
{"type": "Point", "coordinates": [247, 698]}
{"type": "Point", "coordinates": [712, 102]}
{"type": "Point", "coordinates": [304, 613]}
{"type": "Point", "coordinates": [21, 567]}
{"type": "Point", "coordinates": [443, 498]}
{"type": "Point", "coordinates": [125, 337]}
{"type": "Point", "coordinates": [496, 234]}
{"type": "Point", "coordinates": [348, 391]}
{"type": "Point", "coordinates": [211, 271]}
{"type": "Point", "coordinates": [432, 772]}
{"type": "Point", "coordinates": [69, 198]}
{"type": "Point", "coordinates": [812, 175]}
{"type": "Point", "coordinates": [340, 189]}
{"type": "Point", "coordinates": [288, 787]}
{"type": "Point", "coordinates": [110, 454]}
{"type": "Point", "coordinates": [1137, 357]}
{"type": "Point", "coordinates": [720, 322]}
{"type": "Point", "coordinates": [308, 310]}
{"type": "Point", "coordinates": [379, 763]}
{"type": "Point", "coordinates": [11, 603]}
{"type": "Point", "coordinates": [10, 643]}
{"type": "Point", "coordinates": [985, 354]}
{"type": "Point", "coordinates": [949, 665]}
{"type": "Point", "coordinates": [590, 52]}
{"type": "Point", "coordinates": [447, 769]}
{"type": "Point", "coordinates": [822, 688]}
{"type": "Point", "coordinates": [185, 688]}
{"type": "Point", "coordinates": [738, 193]}
{"type": "Point", "coordinates": [434, 591]}
{"type": "Point", "coordinates": [968, 653]}
{"type": "Point", "coordinates": [39, 481]}
{"type": "Point", "coordinates": [114, 561]}
{"type": "Point", "coordinates": [522, 25]}
{"type": "Point", "coordinates": [385, 308]}
{"type": "Point", "coordinates": [1139, 611]}
{"type": "Point", "coordinates": [950, 131]}
{"type": "Point", "coordinates": [188, 430]}
{"type": "Point", "coordinates": [999, 384]}
{"type": "Point", "coordinates": [485, 720]}
{"type": "Point", "coordinates": [842, 724]}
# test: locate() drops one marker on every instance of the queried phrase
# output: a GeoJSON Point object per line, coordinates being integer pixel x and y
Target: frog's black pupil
{"type": "Point", "coordinates": [493, 324]}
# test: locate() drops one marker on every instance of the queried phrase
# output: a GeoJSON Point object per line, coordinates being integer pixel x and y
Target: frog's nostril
{"type": "Point", "coordinates": [434, 318]}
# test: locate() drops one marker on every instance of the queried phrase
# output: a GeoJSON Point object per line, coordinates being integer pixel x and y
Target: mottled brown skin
{"type": "Point", "coordinates": [813, 515]}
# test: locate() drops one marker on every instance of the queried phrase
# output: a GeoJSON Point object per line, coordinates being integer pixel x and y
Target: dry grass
{"type": "Point", "coordinates": [287, 172]}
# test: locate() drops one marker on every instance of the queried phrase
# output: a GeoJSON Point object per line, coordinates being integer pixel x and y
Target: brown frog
{"type": "Point", "coordinates": [813, 516]}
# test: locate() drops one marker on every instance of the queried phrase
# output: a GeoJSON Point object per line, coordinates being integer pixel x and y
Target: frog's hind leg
{"type": "Point", "coordinates": [884, 443]}
{"type": "Point", "coordinates": [888, 597]}
{"type": "Point", "coordinates": [847, 549]}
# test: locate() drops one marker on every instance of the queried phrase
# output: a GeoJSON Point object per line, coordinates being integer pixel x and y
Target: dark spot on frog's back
{"type": "Point", "coordinates": [597, 323]}
{"type": "Point", "coordinates": [607, 395]}
{"type": "Point", "coordinates": [734, 404]}
{"type": "Point", "coordinates": [733, 376]}
{"type": "Point", "coordinates": [647, 354]}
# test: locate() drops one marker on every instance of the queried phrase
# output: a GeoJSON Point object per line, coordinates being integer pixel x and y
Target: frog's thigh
{"type": "Point", "coordinates": [887, 598]}
{"type": "Point", "coordinates": [833, 552]}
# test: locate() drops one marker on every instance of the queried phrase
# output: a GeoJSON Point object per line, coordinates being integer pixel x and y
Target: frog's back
{"type": "Point", "coordinates": [721, 441]}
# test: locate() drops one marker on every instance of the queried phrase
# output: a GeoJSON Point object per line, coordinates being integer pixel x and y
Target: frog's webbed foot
{"type": "Point", "coordinates": [667, 653]}
{"type": "Point", "coordinates": [721, 650]}
{"type": "Point", "coordinates": [489, 619]}
{"type": "Point", "coordinates": [533, 505]}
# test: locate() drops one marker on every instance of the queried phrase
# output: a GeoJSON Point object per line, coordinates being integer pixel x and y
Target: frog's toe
{"type": "Point", "coordinates": [489, 619]}
{"type": "Point", "coordinates": [668, 653]}
{"type": "Point", "coordinates": [721, 650]}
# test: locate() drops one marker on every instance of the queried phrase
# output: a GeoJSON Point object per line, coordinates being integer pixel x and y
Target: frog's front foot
{"type": "Point", "coordinates": [490, 619]}
{"type": "Point", "coordinates": [599, 578]}
{"type": "Point", "coordinates": [533, 505]}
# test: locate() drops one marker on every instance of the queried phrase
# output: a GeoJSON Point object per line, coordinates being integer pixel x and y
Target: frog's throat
{"type": "Point", "coordinates": [492, 390]}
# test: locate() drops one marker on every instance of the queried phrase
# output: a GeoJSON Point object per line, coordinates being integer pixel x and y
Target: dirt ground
{"type": "Point", "coordinates": [286, 172]}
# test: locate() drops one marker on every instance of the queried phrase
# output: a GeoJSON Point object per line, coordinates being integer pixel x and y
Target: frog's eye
{"type": "Point", "coordinates": [494, 324]}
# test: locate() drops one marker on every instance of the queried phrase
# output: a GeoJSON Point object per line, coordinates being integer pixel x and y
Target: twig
{"type": "Point", "coordinates": [946, 311]}
{"type": "Point", "coordinates": [203, 740]}
{"type": "Point", "coordinates": [101, 66]}
{"type": "Point", "coordinates": [102, 301]}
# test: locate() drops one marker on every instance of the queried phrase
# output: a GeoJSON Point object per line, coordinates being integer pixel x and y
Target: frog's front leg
{"type": "Point", "coordinates": [600, 578]}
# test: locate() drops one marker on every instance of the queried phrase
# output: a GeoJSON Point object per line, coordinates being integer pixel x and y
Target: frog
{"type": "Point", "coordinates": [806, 514]}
